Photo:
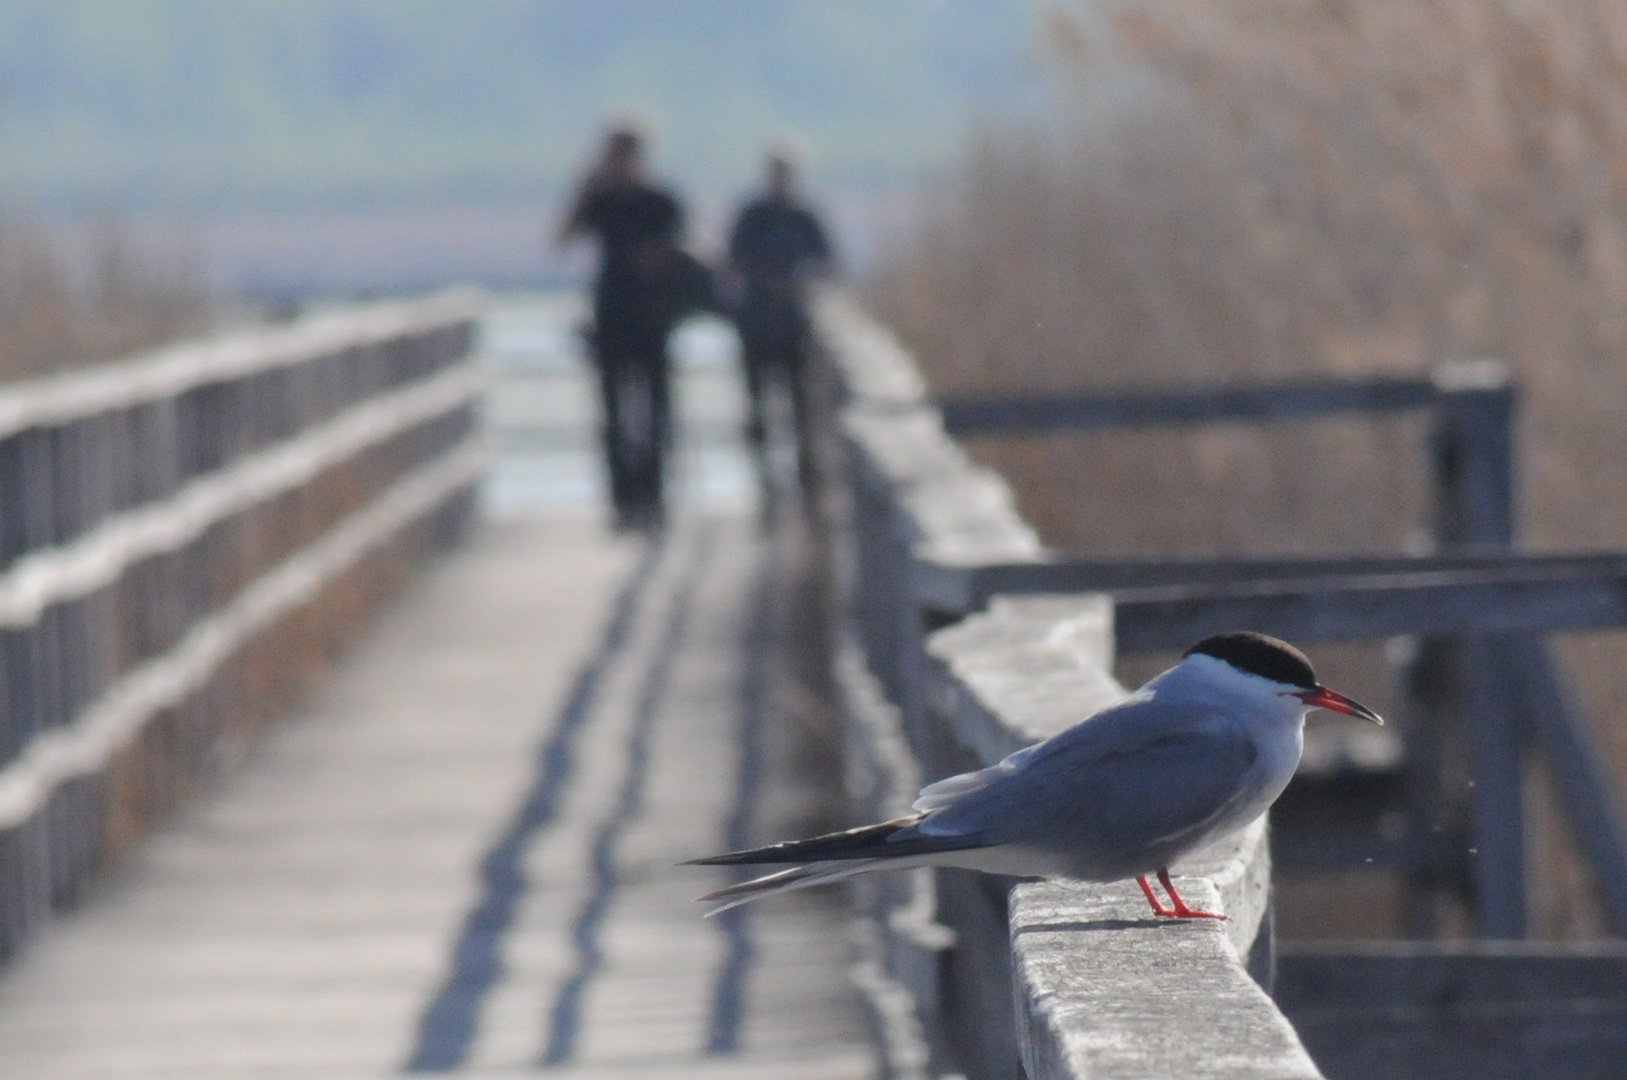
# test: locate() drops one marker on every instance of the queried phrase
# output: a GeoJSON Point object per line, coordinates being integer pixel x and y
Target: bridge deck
{"type": "Point", "coordinates": [459, 856]}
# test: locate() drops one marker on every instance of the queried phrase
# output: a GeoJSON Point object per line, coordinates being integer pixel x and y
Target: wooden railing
{"type": "Point", "coordinates": [1099, 991]}
{"type": "Point", "coordinates": [970, 641]}
{"type": "Point", "coordinates": [1474, 606]}
{"type": "Point", "coordinates": [185, 538]}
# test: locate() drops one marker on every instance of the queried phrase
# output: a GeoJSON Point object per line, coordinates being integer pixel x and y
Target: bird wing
{"type": "Point", "coordinates": [947, 792]}
{"type": "Point", "coordinates": [1177, 787]}
{"type": "Point", "coordinates": [1133, 776]}
{"type": "Point", "coordinates": [1103, 730]}
{"type": "Point", "coordinates": [1126, 780]}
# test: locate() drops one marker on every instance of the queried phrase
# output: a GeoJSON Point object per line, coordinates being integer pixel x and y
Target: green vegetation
{"type": "Point", "coordinates": [220, 104]}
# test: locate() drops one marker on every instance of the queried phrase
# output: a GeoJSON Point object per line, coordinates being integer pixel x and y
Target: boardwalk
{"type": "Point", "coordinates": [459, 855]}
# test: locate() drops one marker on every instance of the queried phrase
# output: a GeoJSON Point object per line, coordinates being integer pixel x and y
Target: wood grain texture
{"type": "Point", "coordinates": [294, 923]}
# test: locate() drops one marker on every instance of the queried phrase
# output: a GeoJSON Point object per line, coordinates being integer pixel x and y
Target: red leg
{"type": "Point", "coordinates": [1181, 910]}
{"type": "Point", "coordinates": [1152, 898]}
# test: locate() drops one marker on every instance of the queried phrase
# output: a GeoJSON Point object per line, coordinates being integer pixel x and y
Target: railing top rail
{"type": "Point", "coordinates": [953, 588]}
{"type": "Point", "coordinates": [97, 558]}
{"type": "Point", "coordinates": [1021, 671]}
{"type": "Point", "coordinates": [1286, 400]}
{"type": "Point", "coordinates": [876, 371]}
{"type": "Point", "coordinates": [958, 511]}
{"type": "Point", "coordinates": [1092, 1004]}
{"type": "Point", "coordinates": [173, 369]}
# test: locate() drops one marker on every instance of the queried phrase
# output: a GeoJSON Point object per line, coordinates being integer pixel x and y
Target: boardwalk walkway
{"type": "Point", "coordinates": [459, 856]}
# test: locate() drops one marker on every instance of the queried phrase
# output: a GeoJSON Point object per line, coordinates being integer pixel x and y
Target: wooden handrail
{"type": "Point", "coordinates": [945, 961]}
{"type": "Point", "coordinates": [165, 523]}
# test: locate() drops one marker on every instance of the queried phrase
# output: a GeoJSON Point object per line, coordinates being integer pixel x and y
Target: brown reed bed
{"type": "Point", "coordinates": [1237, 190]}
{"type": "Point", "coordinates": [66, 302]}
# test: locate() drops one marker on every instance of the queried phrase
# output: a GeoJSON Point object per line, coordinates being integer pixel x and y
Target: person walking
{"type": "Point", "coordinates": [646, 282]}
{"type": "Point", "coordinates": [776, 245]}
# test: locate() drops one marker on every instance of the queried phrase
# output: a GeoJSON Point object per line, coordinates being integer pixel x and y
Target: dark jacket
{"type": "Point", "coordinates": [774, 238]}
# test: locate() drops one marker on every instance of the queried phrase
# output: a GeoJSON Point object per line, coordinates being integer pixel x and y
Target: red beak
{"type": "Point", "coordinates": [1320, 697]}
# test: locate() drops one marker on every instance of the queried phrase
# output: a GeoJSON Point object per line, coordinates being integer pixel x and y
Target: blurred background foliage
{"type": "Point", "coordinates": [1236, 190]}
{"type": "Point", "coordinates": [63, 305]}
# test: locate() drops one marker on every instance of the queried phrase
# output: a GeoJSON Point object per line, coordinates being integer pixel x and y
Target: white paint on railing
{"type": "Point", "coordinates": [89, 743]}
{"type": "Point", "coordinates": [1028, 668]}
{"type": "Point", "coordinates": [99, 557]}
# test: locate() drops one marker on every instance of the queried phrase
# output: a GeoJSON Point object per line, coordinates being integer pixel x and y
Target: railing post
{"type": "Point", "coordinates": [1584, 787]}
{"type": "Point", "coordinates": [1473, 466]}
{"type": "Point", "coordinates": [1473, 446]}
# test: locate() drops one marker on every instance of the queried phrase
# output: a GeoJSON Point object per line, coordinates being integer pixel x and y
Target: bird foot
{"type": "Point", "coordinates": [1178, 908]}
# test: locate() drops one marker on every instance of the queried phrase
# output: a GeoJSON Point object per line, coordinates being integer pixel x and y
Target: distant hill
{"type": "Point", "coordinates": [216, 106]}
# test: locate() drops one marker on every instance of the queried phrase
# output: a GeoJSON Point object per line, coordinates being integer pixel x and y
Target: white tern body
{"type": "Point", "coordinates": [1197, 753]}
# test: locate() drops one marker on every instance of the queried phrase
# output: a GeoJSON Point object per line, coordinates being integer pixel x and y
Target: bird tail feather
{"type": "Point", "coordinates": [890, 840]}
{"type": "Point", "coordinates": [797, 877]}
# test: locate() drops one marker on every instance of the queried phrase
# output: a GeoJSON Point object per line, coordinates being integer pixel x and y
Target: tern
{"type": "Point", "coordinates": [1197, 753]}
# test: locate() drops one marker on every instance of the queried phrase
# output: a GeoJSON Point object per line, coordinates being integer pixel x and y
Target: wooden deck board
{"type": "Point", "coordinates": [296, 922]}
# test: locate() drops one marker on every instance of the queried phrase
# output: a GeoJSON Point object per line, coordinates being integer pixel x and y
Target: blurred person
{"type": "Point", "coordinates": [646, 283]}
{"type": "Point", "coordinates": [776, 246]}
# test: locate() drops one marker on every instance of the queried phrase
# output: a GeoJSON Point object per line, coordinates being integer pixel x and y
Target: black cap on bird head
{"type": "Point", "coordinates": [1269, 658]}
{"type": "Point", "coordinates": [1259, 654]}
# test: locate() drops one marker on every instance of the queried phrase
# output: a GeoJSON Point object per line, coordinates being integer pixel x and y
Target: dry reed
{"type": "Point", "coordinates": [1236, 189]}
{"type": "Point", "coordinates": [63, 304]}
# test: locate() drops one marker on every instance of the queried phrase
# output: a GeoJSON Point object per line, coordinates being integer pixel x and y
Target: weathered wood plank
{"type": "Point", "coordinates": [295, 925]}
{"type": "Point", "coordinates": [1522, 598]}
{"type": "Point", "coordinates": [1496, 800]}
{"type": "Point", "coordinates": [1589, 802]}
{"type": "Point", "coordinates": [954, 589]}
{"type": "Point", "coordinates": [423, 736]}
{"type": "Point", "coordinates": [1459, 1010]}
{"type": "Point", "coordinates": [1098, 1005]}
{"type": "Point", "coordinates": [1201, 405]}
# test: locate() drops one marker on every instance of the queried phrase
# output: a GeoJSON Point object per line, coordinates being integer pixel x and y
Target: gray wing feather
{"type": "Point", "coordinates": [1110, 787]}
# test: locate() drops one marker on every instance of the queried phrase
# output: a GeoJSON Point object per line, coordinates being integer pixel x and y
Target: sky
{"type": "Point", "coordinates": [250, 106]}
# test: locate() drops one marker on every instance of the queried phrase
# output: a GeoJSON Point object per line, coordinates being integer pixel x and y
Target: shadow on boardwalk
{"type": "Point", "coordinates": [461, 854]}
